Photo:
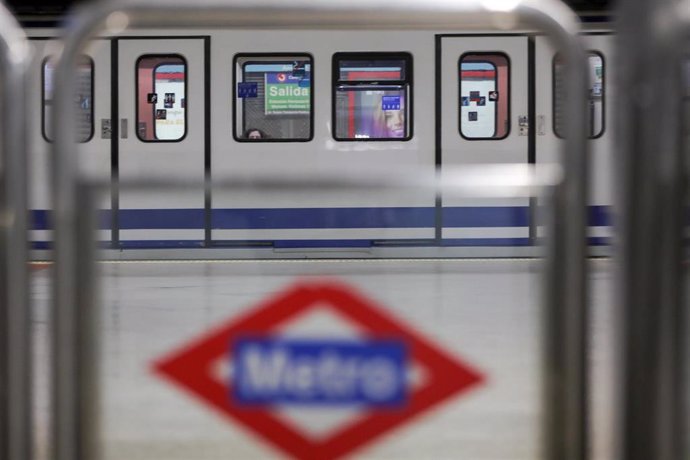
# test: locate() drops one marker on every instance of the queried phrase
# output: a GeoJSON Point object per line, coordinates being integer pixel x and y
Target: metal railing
{"type": "Point", "coordinates": [651, 413]}
{"type": "Point", "coordinates": [565, 424]}
{"type": "Point", "coordinates": [15, 312]}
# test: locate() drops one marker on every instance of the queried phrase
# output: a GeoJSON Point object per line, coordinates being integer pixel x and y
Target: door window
{"type": "Point", "coordinates": [595, 97]}
{"type": "Point", "coordinates": [484, 80]}
{"type": "Point", "coordinates": [83, 98]}
{"type": "Point", "coordinates": [161, 98]}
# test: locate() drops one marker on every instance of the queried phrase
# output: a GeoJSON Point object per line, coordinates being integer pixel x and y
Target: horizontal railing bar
{"type": "Point", "coordinates": [487, 181]}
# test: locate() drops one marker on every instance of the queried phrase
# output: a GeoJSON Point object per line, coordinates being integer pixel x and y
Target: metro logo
{"type": "Point", "coordinates": [319, 372]}
{"type": "Point", "coordinates": [274, 366]}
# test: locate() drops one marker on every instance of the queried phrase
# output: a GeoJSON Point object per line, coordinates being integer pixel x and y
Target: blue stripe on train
{"type": "Point", "coordinates": [40, 219]}
{"type": "Point", "coordinates": [364, 244]}
{"type": "Point", "coordinates": [495, 216]}
{"type": "Point", "coordinates": [322, 218]}
{"type": "Point", "coordinates": [304, 244]}
{"type": "Point", "coordinates": [312, 218]}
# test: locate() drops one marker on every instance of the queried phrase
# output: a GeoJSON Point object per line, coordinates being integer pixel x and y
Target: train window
{"type": "Point", "coordinates": [273, 97]}
{"type": "Point", "coordinates": [484, 96]}
{"type": "Point", "coordinates": [372, 96]}
{"type": "Point", "coordinates": [83, 98]}
{"type": "Point", "coordinates": [161, 81]}
{"type": "Point", "coordinates": [595, 100]}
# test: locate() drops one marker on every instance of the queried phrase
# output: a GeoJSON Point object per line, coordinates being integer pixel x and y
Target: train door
{"type": "Point", "coordinates": [484, 120]}
{"type": "Point", "coordinates": [93, 118]}
{"type": "Point", "coordinates": [161, 134]}
{"type": "Point", "coordinates": [549, 103]}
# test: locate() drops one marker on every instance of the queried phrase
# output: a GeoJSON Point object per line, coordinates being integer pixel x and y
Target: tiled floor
{"type": "Point", "coordinates": [485, 313]}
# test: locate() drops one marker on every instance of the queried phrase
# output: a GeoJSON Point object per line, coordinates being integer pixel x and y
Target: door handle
{"type": "Point", "coordinates": [123, 128]}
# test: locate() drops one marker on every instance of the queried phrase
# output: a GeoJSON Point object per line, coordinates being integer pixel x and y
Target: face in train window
{"type": "Point", "coordinates": [83, 99]}
{"type": "Point", "coordinates": [372, 96]}
{"type": "Point", "coordinates": [273, 98]}
{"type": "Point", "coordinates": [595, 100]}
{"type": "Point", "coordinates": [483, 105]}
{"type": "Point", "coordinates": [161, 98]}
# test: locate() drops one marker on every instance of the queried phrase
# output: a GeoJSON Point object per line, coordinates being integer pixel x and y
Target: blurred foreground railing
{"type": "Point", "coordinates": [565, 373]}
{"type": "Point", "coordinates": [15, 312]}
{"type": "Point", "coordinates": [652, 410]}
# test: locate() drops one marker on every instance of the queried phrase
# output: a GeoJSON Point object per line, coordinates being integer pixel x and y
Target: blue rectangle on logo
{"type": "Point", "coordinates": [247, 90]}
{"type": "Point", "coordinates": [319, 372]}
{"type": "Point", "coordinates": [390, 103]}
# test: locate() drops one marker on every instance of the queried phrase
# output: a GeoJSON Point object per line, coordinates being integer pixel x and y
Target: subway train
{"type": "Point", "coordinates": [206, 104]}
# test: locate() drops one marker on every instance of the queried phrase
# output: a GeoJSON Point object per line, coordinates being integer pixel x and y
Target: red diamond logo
{"type": "Point", "coordinates": [194, 367]}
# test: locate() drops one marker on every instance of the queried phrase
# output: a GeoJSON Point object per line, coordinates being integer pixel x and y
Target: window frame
{"type": "Point", "coordinates": [238, 136]}
{"type": "Point", "coordinates": [509, 126]}
{"type": "Point", "coordinates": [43, 99]}
{"type": "Point", "coordinates": [407, 83]}
{"type": "Point", "coordinates": [153, 77]}
{"type": "Point", "coordinates": [603, 94]}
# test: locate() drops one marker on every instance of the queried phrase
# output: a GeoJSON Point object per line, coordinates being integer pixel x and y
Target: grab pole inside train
{"type": "Point", "coordinates": [652, 206]}
{"type": "Point", "coordinates": [15, 311]}
{"type": "Point", "coordinates": [565, 375]}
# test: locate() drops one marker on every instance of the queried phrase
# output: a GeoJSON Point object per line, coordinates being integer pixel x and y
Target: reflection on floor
{"type": "Point", "coordinates": [485, 313]}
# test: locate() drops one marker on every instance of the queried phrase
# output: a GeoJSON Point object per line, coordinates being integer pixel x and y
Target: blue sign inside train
{"type": "Point", "coordinates": [247, 89]}
{"type": "Point", "coordinates": [390, 103]}
{"type": "Point", "coordinates": [319, 372]}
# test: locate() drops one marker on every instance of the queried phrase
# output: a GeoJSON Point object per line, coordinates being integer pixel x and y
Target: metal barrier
{"type": "Point", "coordinates": [651, 413]}
{"type": "Point", "coordinates": [565, 425]}
{"type": "Point", "coordinates": [15, 312]}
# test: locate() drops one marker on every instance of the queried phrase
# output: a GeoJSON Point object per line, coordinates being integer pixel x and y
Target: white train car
{"type": "Point", "coordinates": [205, 104]}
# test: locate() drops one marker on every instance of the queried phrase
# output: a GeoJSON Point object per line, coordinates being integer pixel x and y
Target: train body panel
{"type": "Point", "coordinates": [94, 153]}
{"type": "Point", "coordinates": [344, 102]}
{"type": "Point", "coordinates": [549, 146]}
{"type": "Point", "coordinates": [475, 70]}
{"type": "Point", "coordinates": [322, 153]}
{"type": "Point", "coordinates": [161, 139]}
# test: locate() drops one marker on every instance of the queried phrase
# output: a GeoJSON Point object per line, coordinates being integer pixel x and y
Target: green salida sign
{"type": "Point", "coordinates": [286, 94]}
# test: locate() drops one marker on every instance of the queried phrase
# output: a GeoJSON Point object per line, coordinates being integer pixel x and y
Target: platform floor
{"type": "Point", "coordinates": [486, 313]}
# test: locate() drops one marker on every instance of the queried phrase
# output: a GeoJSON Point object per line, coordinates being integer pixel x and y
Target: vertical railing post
{"type": "Point", "coordinates": [15, 310]}
{"type": "Point", "coordinates": [566, 313]}
{"type": "Point", "coordinates": [651, 198]}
